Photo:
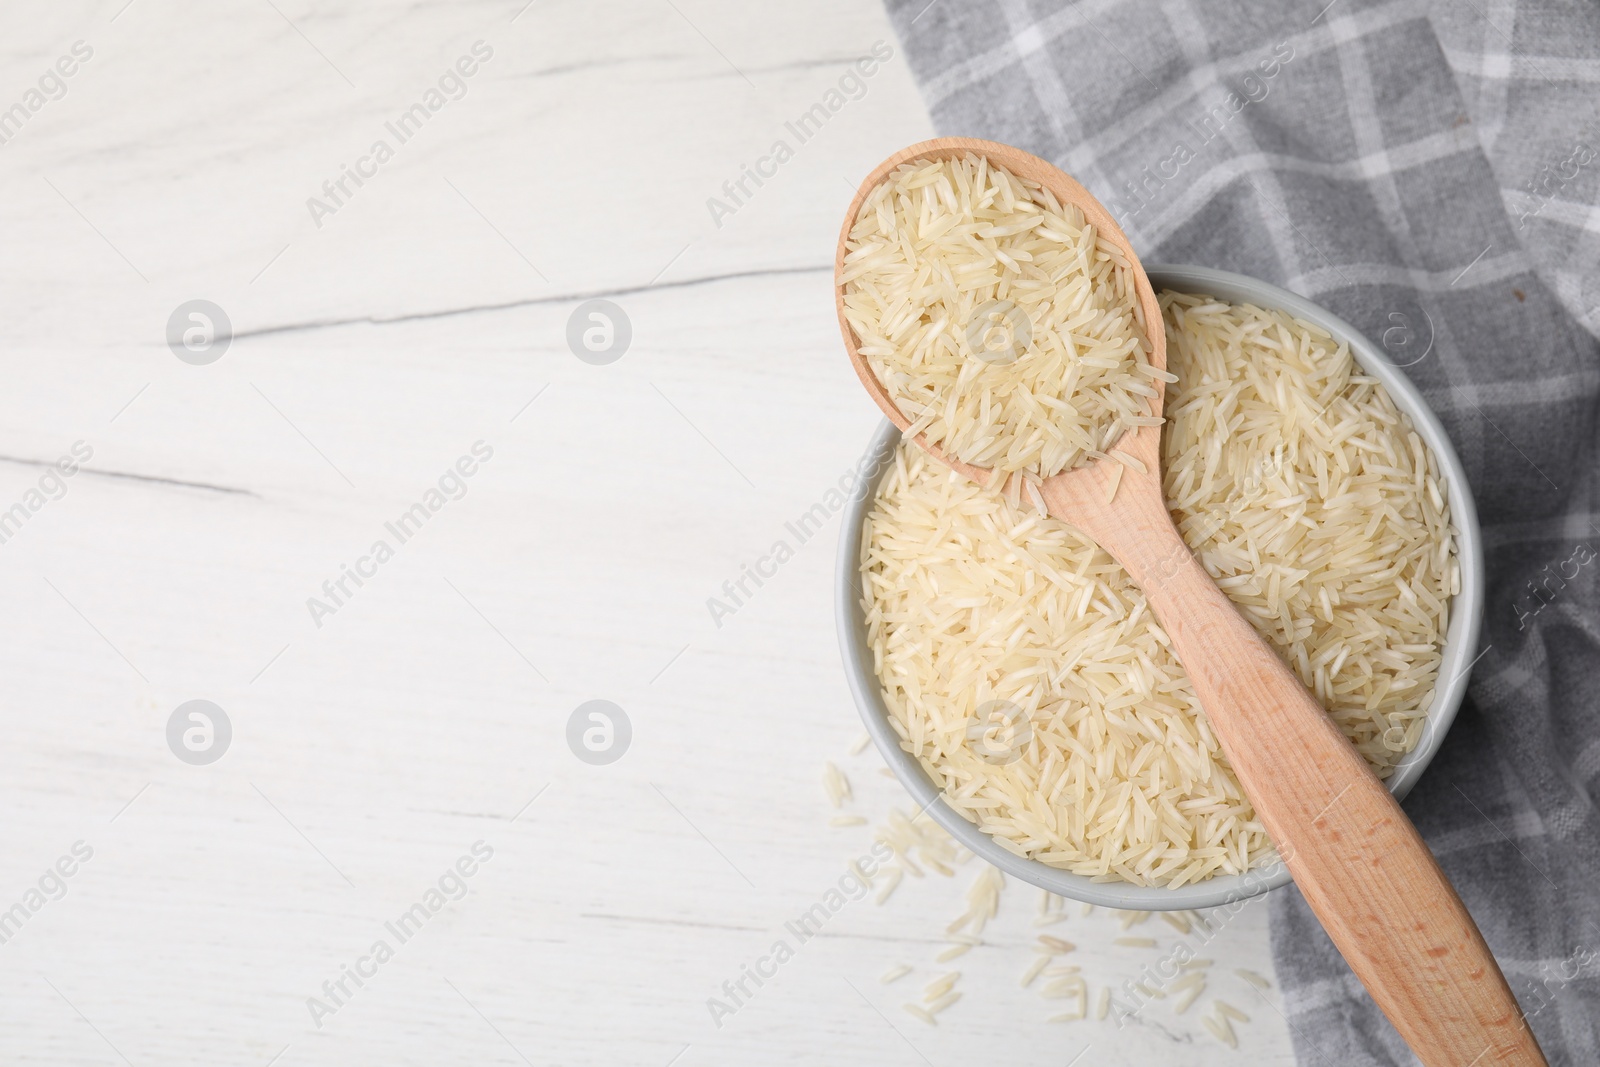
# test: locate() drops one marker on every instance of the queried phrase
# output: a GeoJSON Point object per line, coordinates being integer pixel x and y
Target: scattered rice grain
{"type": "Point", "coordinates": [1253, 978]}
{"type": "Point", "coordinates": [1226, 1010]}
{"type": "Point", "coordinates": [1038, 965]}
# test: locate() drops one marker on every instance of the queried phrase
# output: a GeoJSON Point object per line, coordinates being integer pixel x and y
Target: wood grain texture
{"type": "Point", "coordinates": [1356, 857]}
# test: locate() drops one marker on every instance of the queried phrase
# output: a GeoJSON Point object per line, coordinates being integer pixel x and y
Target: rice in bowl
{"type": "Point", "coordinates": [1023, 670]}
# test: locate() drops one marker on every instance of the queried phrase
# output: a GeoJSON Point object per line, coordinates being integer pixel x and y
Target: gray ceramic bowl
{"type": "Point", "coordinates": [1460, 641]}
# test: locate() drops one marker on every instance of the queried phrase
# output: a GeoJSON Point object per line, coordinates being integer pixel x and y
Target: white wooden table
{"type": "Point", "coordinates": [374, 742]}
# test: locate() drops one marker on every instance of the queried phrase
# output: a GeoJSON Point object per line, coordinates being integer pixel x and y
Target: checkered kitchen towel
{"type": "Point", "coordinates": [1429, 171]}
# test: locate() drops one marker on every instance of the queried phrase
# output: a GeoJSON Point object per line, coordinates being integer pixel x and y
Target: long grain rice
{"type": "Point", "coordinates": [1001, 323]}
{"type": "Point", "coordinates": [1253, 978]}
{"type": "Point", "coordinates": [1038, 965]}
{"type": "Point", "coordinates": [1189, 996]}
{"type": "Point", "coordinates": [1304, 492]}
{"type": "Point", "coordinates": [1221, 1030]}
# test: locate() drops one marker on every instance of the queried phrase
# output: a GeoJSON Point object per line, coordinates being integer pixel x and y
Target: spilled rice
{"type": "Point", "coordinates": [1170, 974]}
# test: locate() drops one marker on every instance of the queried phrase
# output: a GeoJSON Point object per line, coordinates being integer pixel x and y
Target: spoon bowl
{"type": "Point", "coordinates": [1139, 442]}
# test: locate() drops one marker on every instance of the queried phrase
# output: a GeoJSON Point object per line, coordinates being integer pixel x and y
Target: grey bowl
{"type": "Point", "coordinates": [1460, 641]}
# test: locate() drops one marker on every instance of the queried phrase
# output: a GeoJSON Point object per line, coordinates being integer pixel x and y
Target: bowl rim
{"type": "Point", "coordinates": [1458, 657]}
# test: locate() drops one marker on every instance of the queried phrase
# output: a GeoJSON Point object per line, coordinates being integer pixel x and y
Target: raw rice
{"type": "Point", "coordinates": [1033, 970]}
{"type": "Point", "coordinates": [983, 900]}
{"type": "Point", "coordinates": [836, 784]}
{"type": "Point", "coordinates": [1317, 509]}
{"type": "Point", "coordinates": [1001, 323]}
{"type": "Point", "coordinates": [1189, 996]}
{"type": "Point", "coordinates": [1116, 481]}
{"type": "Point", "coordinates": [1221, 1030]}
{"type": "Point", "coordinates": [1253, 978]}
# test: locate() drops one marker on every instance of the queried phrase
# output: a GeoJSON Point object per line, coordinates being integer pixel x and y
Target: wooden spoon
{"type": "Point", "coordinates": [1359, 862]}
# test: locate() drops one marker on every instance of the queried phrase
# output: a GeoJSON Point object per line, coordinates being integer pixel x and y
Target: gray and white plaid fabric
{"type": "Point", "coordinates": [1431, 173]}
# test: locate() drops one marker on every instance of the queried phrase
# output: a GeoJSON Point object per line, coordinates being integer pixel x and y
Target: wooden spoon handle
{"type": "Point", "coordinates": [1362, 866]}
